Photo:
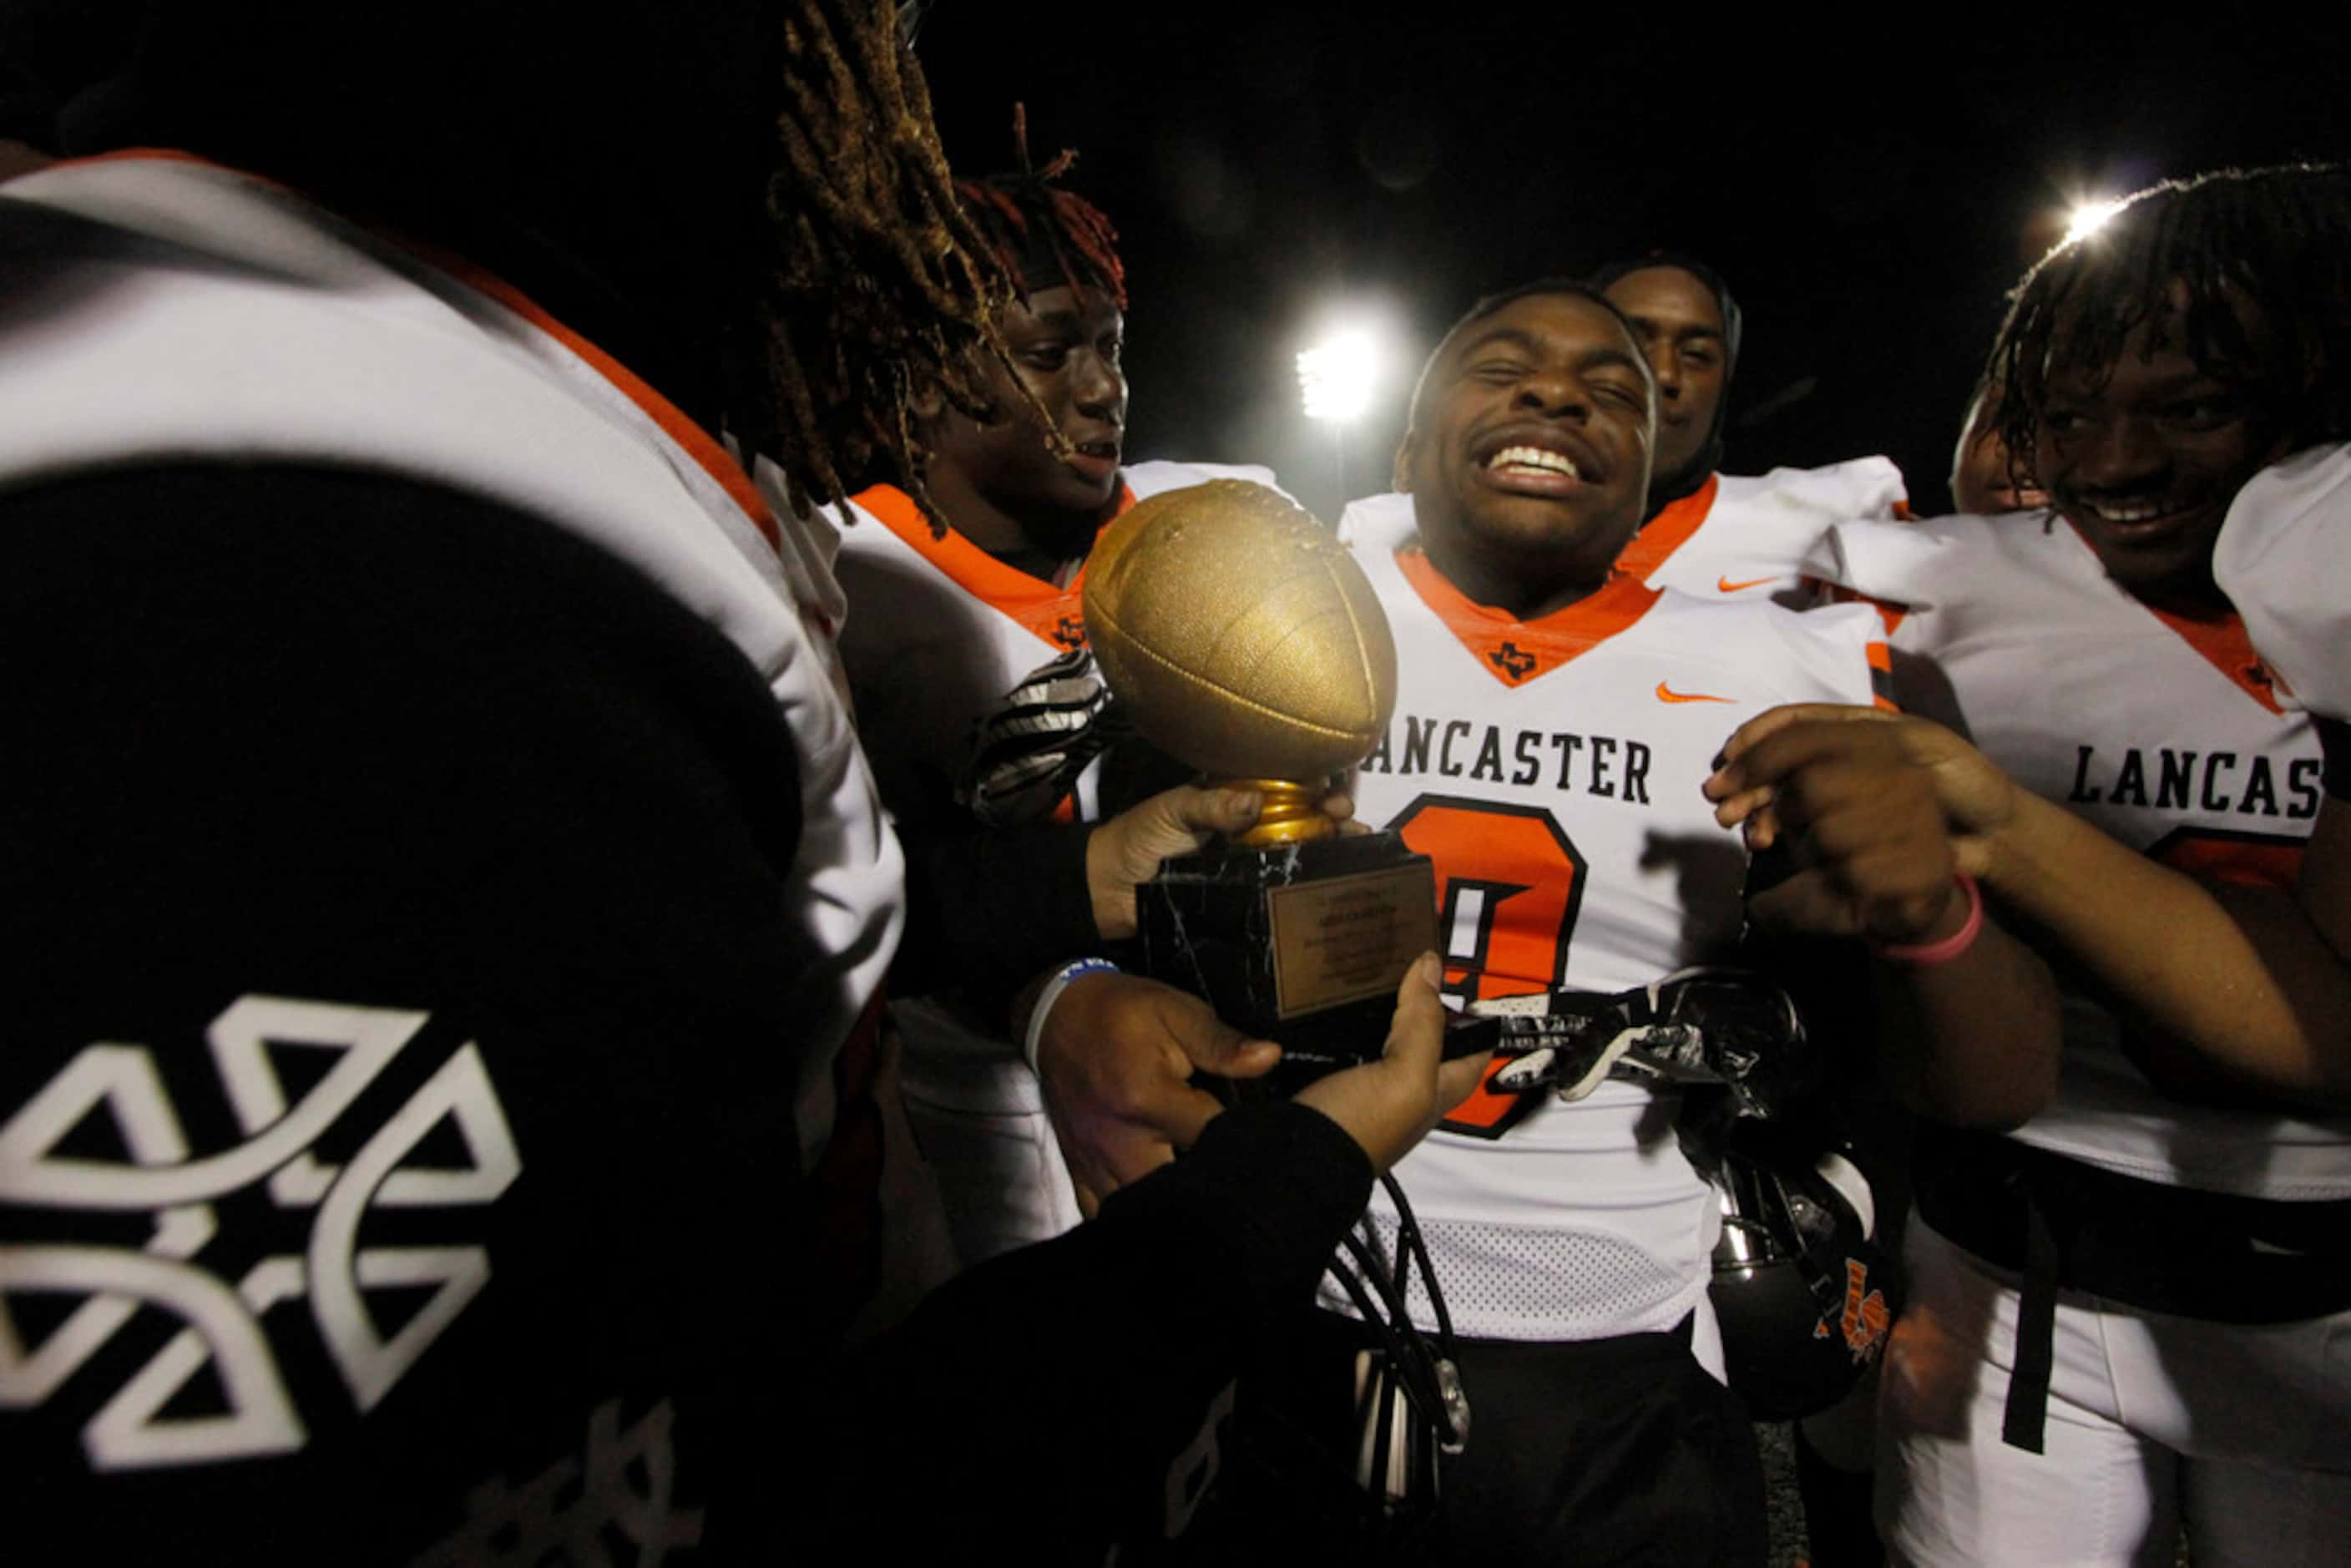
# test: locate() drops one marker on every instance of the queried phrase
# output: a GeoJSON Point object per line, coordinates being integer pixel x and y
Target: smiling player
{"type": "Point", "coordinates": [1554, 719]}
{"type": "Point", "coordinates": [943, 623]}
{"type": "Point", "coordinates": [1703, 532]}
{"type": "Point", "coordinates": [2169, 1354]}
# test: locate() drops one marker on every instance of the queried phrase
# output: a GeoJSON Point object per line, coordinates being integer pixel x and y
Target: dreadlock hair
{"type": "Point", "coordinates": [2249, 270]}
{"type": "Point", "coordinates": [1041, 235]}
{"type": "Point", "coordinates": [881, 282]}
{"type": "Point", "coordinates": [1486, 305]}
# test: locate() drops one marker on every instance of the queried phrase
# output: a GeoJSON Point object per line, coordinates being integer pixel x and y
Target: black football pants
{"type": "Point", "coordinates": [1619, 1450]}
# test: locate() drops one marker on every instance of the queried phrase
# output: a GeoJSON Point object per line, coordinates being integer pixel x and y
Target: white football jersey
{"type": "Point", "coordinates": [939, 631]}
{"type": "Point", "coordinates": [1552, 769]}
{"type": "Point", "coordinates": [2284, 560]}
{"type": "Point", "coordinates": [2161, 731]}
{"type": "Point", "coordinates": [1734, 537]}
{"type": "Point", "coordinates": [242, 323]}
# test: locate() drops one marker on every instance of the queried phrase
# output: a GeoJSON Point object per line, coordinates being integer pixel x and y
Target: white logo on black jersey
{"type": "Point", "coordinates": [176, 1189]}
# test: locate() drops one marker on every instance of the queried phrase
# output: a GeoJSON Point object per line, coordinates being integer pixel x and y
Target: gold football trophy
{"type": "Point", "coordinates": [1239, 638]}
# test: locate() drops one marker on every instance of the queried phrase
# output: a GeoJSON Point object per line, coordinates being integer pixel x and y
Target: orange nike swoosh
{"type": "Point", "coordinates": [1666, 694]}
{"type": "Point", "coordinates": [1724, 584]}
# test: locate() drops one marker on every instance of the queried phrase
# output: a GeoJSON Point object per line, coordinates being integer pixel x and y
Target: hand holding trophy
{"type": "Point", "coordinates": [1241, 639]}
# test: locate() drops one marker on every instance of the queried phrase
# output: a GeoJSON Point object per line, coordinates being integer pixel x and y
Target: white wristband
{"type": "Point", "coordinates": [1052, 993]}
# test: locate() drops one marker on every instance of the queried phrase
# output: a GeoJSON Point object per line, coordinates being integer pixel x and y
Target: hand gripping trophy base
{"type": "Point", "coordinates": [1300, 943]}
{"type": "Point", "coordinates": [1241, 639]}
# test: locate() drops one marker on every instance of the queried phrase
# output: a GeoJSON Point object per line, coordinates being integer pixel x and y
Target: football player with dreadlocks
{"type": "Point", "coordinates": [964, 644]}
{"type": "Point", "coordinates": [444, 916]}
{"type": "Point", "coordinates": [1703, 532]}
{"type": "Point", "coordinates": [2129, 1312]}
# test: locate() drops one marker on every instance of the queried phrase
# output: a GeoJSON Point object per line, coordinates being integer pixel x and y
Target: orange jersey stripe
{"type": "Point", "coordinates": [1513, 651]}
{"type": "Point", "coordinates": [2247, 860]}
{"type": "Point", "coordinates": [2224, 644]}
{"type": "Point", "coordinates": [1485, 1113]}
{"type": "Point", "coordinates": [1667, 532]}
{"type": "Point", "coordinates": [2222, 641]}
{"type": "Point", "coordinates": [1837, 593]}
{"type": "Point", "coordinates": [696, 443]}
{"type": "Point", "coordinates": [1881, 677]}
{"type": "Point", "coordinates": [1047, 611]}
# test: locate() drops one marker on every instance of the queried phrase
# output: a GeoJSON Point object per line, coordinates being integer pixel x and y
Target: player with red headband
{"type": "Point", "coordinates": [964, 642]}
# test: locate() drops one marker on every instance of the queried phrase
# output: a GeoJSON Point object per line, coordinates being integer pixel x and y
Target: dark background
{"type": "Point", "coordinates": [1871, 184]}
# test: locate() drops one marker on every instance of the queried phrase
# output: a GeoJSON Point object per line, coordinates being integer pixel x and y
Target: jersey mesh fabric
{"type": "Point", "coordinates": [1579, 1284]}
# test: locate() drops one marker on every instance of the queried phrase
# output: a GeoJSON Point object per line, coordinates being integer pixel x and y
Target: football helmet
{"type": "Point", "coordinates": [1805, 1295]}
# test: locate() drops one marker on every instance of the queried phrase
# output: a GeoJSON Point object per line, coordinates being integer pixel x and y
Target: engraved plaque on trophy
{"type": "Point", "coordinates": [1242, 639]}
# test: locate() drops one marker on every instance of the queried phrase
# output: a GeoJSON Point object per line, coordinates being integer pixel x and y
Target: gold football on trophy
{"type": "Point", "coordinates": [1240, 634]}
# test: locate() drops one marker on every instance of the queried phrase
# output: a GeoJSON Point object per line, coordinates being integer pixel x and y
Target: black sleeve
{"type": "Point", "coordinates": [402, 879]}
{"type": "Point", "coordinates": [1069, 1394]}
{"type": "Point", "coordinates": [399, 1075]}
{"type": "Point", "coordinates": [988, 910]}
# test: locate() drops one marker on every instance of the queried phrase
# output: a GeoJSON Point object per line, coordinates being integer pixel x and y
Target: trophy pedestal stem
{"type": "Point", "coordinates": [1292, 813]}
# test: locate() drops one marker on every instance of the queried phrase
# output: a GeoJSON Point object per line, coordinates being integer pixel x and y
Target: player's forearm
{"type": "Point", "coordinates": [2252, 998]}
{"type": "Point", "coordinates": [1974, 1042]}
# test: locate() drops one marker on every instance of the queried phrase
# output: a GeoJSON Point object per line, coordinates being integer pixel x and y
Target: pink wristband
{"type": "Point", "coordinates": [1927, 954]}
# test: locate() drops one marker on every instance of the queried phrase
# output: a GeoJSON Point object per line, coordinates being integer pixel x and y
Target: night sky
{"type": "Point", "coordinates": [1869, 201]}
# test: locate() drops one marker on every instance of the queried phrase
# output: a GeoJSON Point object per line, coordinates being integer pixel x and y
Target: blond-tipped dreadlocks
{"type": "Point", "coordinates": [880, 282]}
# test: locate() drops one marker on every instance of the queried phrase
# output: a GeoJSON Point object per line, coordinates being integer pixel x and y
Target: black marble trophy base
{"type": "Point", "coordinates": [1301, 944]}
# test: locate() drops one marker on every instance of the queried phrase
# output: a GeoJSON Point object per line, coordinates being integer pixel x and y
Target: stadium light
{"type": "Point", "coordinates": [1338, 375]}
{"type": "Point", "coordinates": [2088, 218]}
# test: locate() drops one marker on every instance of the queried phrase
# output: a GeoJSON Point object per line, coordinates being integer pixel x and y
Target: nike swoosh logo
{"type": "Point", "coordinates": [1724, 584]}
{"type": "Point", "coordinates": [1666, 694]}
